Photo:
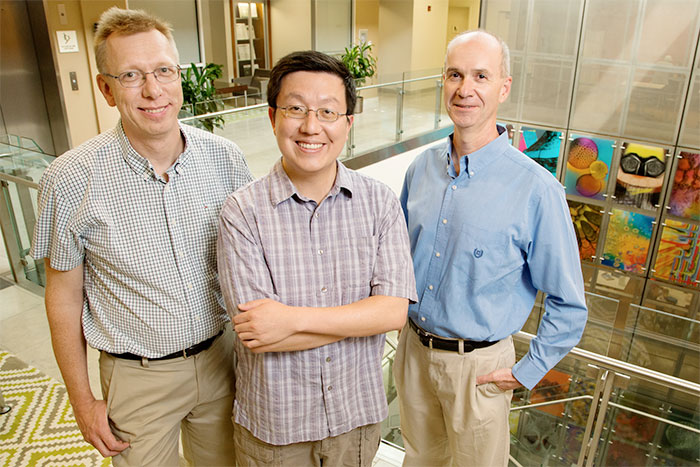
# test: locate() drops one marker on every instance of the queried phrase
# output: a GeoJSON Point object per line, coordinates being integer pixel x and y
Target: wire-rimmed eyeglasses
{"type": "Point", "coordinates": [300, 111]}
{"type": "Point", "coordinates": [136, 78]}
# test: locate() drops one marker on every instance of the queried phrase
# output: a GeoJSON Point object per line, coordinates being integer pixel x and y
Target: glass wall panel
{"type": "Point", "coordinates": [599, 97]}
{"type": "Point", "coordinates": [668, 32]}
{"type": "Point", "coordinates": [508, 19]}
{"type": "Point", "coordinates": [655, 104]}
{"type": "Point", "coordinates": [609, 29]}
{"type": "Point", "coordinates": [547, 92]}
{"type": "Point", "coordinates": [509, 109]}
{"type": "Point", "coordinates": [649, 424]}
{"type": "Point", "coordinates": [663, 342]}
{"type": "Point", "coordinates": [554, 27]}
{"type": "Point", "coordinates": [690, 128]}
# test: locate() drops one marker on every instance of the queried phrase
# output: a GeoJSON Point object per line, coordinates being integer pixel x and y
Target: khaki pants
{"type": "Point", "coordinates": [149, 404]}
{"type": "Point", "coordinates": [355, 448]}
{"type": "Point", "coordinates": [446, 419]}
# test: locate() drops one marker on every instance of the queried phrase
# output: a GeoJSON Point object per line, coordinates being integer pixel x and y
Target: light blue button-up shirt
{"type": "Point", "coordinates": [484, 242]}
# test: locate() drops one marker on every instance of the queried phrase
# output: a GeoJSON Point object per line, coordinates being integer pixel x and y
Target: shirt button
{"type": "Point", "coordinates": [437, 253]}
{"type": "Point", "coordinates": [471, 173]}
{"type": "Point", "coordinates": [422, 318]}
{"type": "Point", "coordinates": [328, 359]}
{"type": "Point", "coordinates": [316, 215]}
{"type": "Point", "coordinates": [330, 388]}
{"type": "Point", "coordinates": [189, 286]}
{"type": "Point", "coordinates": [324, 290]}
{"type": "Point", "coordinates": [320, 252]}
{"type": "Point", "coordinates": [454, 187]}
{"type": "Point", "coordinates": [444, 221]}
{"type": "Point", "coordinates": [430, 287]}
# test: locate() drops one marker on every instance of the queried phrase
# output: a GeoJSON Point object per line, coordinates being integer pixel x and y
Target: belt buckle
{"type": "Point", "coordinates": [184, 353]}
{"type": "Point", "coordinates": [430, 343]}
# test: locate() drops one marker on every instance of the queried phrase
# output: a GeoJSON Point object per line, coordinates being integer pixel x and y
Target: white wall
{"type": "Point", "coordinates": [395, 38]}
{"type": "Point", "coordinates": [392, 170]}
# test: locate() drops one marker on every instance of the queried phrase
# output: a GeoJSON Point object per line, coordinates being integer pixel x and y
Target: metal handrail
{"type": "Point", "coordinates": [394, 83]}
{"type": "Point", "coordinates": [260, 106]}
{"type": "Point", "coordinates": [551, 402]}
{"type": "Point", "coordinates": [223, 112]}
{"type": "Point", "coordinates": [626, 368]}
{"type": "Point", "coordinates": [655, 417]}
{"type": "Point", "coordinates": [18, 180]}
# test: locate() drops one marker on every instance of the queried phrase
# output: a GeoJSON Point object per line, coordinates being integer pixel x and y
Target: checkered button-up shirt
{"type": "Point", "coordinates": [274, 243]}
{"type": "Point", "coordinates": [147, 244]}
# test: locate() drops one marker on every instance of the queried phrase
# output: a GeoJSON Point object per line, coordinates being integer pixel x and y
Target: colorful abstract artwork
{"type": "Point", "coordinates": [678, 258]}
{"type": "Point", "coordinates": [627, 240]}
{"type": "Point", "coordinates": [586, 219]}
{"type": "Point", "coordinates": [554, 385]}
{"type": "Point", "coordinates": [685, 195]}
{"type": "Point", "coordinates": [587, 166]}
{"type": "Point", "coordinates": [640, 176]}
{"type": "Point", "coordinates": [542, 146]}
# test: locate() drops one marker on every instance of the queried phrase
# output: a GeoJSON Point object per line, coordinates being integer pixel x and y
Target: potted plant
{"type": "Point", "coordinates": [198, 92]}
{"type": "Point", "coordinates": [362, 65]}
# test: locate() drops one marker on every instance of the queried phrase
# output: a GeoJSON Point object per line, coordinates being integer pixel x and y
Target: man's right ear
{"type": "Point", "coordinates": [106, 90]}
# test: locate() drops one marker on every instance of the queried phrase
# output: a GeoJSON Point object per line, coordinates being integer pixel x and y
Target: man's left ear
{"type": "Point", "coordinates": [505, 89]}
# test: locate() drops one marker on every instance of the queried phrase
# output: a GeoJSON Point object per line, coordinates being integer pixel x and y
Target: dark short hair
{"type": "Point", "coordinates": [310, 60]}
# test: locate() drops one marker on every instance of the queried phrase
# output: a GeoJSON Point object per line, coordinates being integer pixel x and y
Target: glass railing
{"type": "Point", "coordinates": [392, 111]}
{"type": "Point", "coordinates": [21, 165]}
{"type": "Point", "coordinates": [642, 408]}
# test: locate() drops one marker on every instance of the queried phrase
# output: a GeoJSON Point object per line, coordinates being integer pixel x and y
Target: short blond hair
{"type": "Point", "coordinates": [119, 21]}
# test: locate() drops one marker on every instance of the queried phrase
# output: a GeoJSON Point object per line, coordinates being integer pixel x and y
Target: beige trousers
{"type": "Point", "coordinates": [356, 448]}
{"type": "Point", "coordinates": [148, 405]}
{"type": "Point", "coordinates": [446, 419]}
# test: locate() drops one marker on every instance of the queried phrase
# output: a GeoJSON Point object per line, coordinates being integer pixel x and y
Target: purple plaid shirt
{"type": "Point", "coordinates": [274, 243]}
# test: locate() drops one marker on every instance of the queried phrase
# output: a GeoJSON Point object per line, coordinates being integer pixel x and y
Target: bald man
{"type": "Point", "coordinates": [489, 228]}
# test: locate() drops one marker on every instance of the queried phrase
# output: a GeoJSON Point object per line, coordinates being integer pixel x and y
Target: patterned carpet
{"type": "Point", "coordinates": [40, 429]}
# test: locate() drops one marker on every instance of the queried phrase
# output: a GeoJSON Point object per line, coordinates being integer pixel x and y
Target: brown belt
{"type": "Point", "coordinates": [444, 343]}
{"type": "Point", "coordinates": [188, 352]}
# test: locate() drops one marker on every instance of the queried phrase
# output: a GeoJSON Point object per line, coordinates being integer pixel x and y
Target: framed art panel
{"type": "Point", "coordinates": [627, 240]}
{"type": "Point", "coordinates": [542, 146]}
{"type": "Point", "coordinates": [587, 166]}
{"type": "Point", "coordinates": [640, 176]}
{"type": "Point", "coordinates": [678, 258]}
{"type": "Point", "coordinates": [685, 194]}
{"type": "Point", "coordinates": [587, 219]}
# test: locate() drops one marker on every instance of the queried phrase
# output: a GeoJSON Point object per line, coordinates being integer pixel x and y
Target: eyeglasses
{"type": "Point", "coordinates": [136, 78]}
{"type": "Point", "coordinates": [300, 112]}
{"type": "Point", "coordinates": [633, 163]}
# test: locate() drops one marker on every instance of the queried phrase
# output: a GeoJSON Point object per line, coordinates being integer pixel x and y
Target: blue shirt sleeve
{"type": "Point", "coordinates": [555, 269]}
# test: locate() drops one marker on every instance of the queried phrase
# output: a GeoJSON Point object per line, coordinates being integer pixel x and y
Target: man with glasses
{"type": "Point", "coordinates": [314, 266]}
{"type": "Point", "coordinates": [127, 225]}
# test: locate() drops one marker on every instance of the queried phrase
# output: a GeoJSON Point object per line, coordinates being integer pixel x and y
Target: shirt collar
{"type": "Point", "coordinates": [481, 158]}
{"type": "Point", "coordinates": [282, 188]}
{"type": "Point", "coordinates": [142, 166]}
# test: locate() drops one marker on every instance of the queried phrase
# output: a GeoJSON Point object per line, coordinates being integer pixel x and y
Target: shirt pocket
{"type": "Point", "coordinates": [480, 255]}
{"type": "Point", "coordinates": [354, 265]}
